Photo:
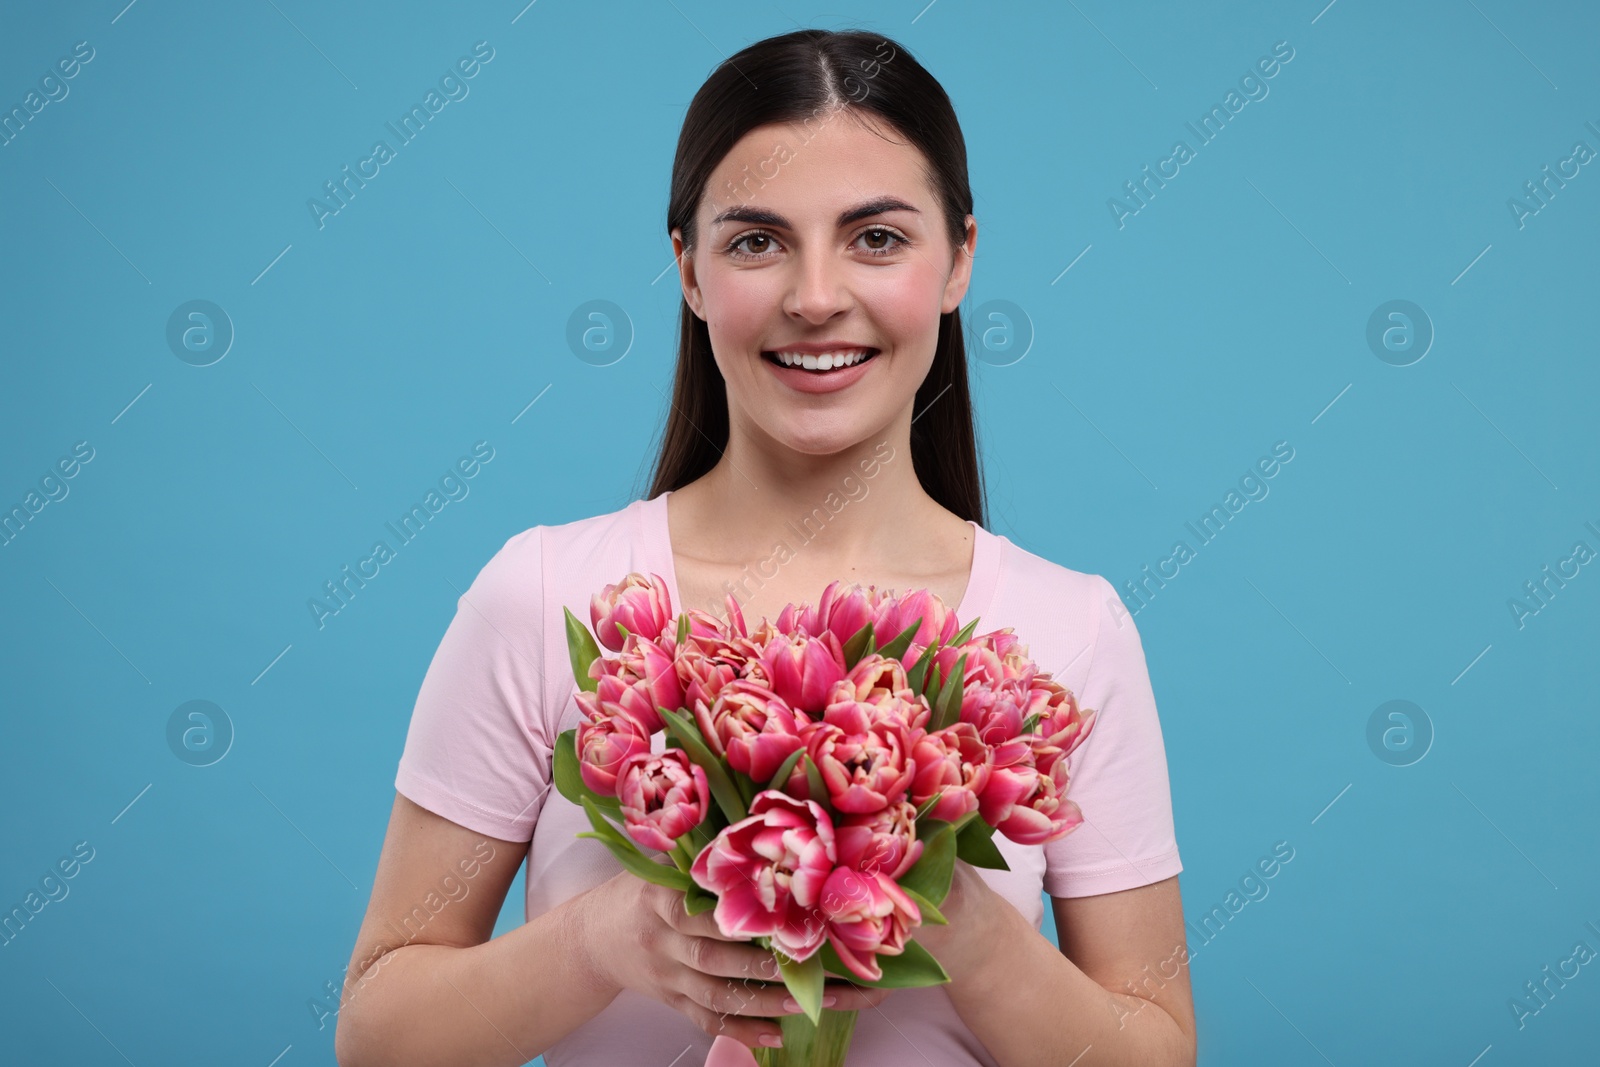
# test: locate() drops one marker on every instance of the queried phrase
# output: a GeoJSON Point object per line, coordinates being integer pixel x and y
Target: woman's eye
{"type": "Point", "coordinates": [880, 240]}
{"type": "Point", "coordinates": [752, 244]}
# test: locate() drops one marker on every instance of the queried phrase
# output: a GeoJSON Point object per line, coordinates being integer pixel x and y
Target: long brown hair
{"type": "Point", "coordinates": [791, 78]}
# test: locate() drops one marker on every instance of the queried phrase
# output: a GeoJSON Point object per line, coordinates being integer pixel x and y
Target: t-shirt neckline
{"type": "Point", "coordinates": [976, 601]}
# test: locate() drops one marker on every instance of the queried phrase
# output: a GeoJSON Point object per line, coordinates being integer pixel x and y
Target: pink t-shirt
{"type": "Point", "coordinates": [500, 690]}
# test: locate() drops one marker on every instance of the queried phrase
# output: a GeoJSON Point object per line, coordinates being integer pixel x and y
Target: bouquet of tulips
{"type": "Point", "coordinates": [820, 774]}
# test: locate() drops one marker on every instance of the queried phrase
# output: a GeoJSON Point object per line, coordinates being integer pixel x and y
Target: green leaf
{"type": "Point", "coordinates": [696, 900]}
{"type": "Point", "coordinates": [965, 820]}
{"type": "Point", "coordinates": [948, 708]}
{"type": "Point", "coordinates": [859, 644]}
{"type": "Point", "coordinates": [902, 641]}
{"type": "Point", "coordinates": [1031, 722]}
{"type": "Point", "coordinates": [966, 632]}
{"type": "Point", "coordinates": [930, 687]}
{"type": "Point", "coordinates": [582, 650]}
{"type": "Point", "coordinates": [683, 628]}
{"type": "Point", "coordinates": [683, 730]}
{"type": "Point", "coordinates": [805, 980]}
{"type": "Point", "coordinates": [746, 786]}
{"type": "Point", "coordinates": [912, 969]}
{"type": "Point", "coordinates": [569, 780]}
{"type": "Point", "coordinates": [919, 670]}
{"type": "Point", "coordinates": [628, 853]}
{"type": "Point", "coordinates": [817, 787]}
{"type": "Point", "coordinates": [927, 805]}
{"type": "Point", "coordinates": [975, 844]}
{"type": "Point", "coordinates": [930, 914]}
{"type": "Point", "coordinates": [785, 769]}
{"type": "Point", "coordinates": [930, 875]}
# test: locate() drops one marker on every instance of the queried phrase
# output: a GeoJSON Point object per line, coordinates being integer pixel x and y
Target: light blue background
{"type": "Point", "coordinates": [1228, 314]}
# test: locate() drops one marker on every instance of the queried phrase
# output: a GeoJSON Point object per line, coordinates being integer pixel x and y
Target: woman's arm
{"type": "Point", "coordinates": [426, 985]}
{"type": "Point", "coordinates": [1116, 993]}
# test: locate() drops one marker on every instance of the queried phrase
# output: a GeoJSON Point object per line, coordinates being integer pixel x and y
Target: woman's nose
{"type": "Point", "coordinates": [818, 290]}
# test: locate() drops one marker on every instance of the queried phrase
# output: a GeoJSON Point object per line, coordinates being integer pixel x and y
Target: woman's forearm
{"type": "Point", "coordinates": [503, 1002]}
{"type": "Point", "coordinates": [1031, 1006]}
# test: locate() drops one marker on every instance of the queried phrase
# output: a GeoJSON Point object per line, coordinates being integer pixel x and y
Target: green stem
{"type": "Point", "coordinates": [805, 1045]}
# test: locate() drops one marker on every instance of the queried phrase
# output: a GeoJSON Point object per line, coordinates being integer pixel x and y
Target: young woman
{"type": "Point", "coordinates": [820, 428]}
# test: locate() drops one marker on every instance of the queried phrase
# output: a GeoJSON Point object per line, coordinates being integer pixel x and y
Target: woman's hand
{"type": "Point", "coordinates": [639, 937]}
{"type": "Point", "coordinates": [971, 908]}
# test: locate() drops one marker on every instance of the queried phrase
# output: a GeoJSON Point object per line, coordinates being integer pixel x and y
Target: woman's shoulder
{"type": "Point", "coordinates": [1068, 618]}
{"type": "Point", "coordinates": [552, 562]}
{"type": "Point", "coordinates": [1033, 574]}
{"type": "Point", "coordinates": [623, 525]}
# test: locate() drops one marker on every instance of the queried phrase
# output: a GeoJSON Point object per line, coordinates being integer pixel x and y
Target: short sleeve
{"type": "Point", "coordinates": [477, 751]}
{"type": "Point", "coordinates": [1118, 776]}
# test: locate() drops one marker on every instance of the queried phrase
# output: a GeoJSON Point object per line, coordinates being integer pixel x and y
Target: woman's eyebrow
{"type": "Point", "coordinates": [764, 217]}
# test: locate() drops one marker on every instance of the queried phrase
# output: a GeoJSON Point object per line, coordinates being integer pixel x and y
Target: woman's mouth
{"type": "Point", "coordinates": [821, 363]}
{"type": "Point", "coordinates": [822, 372]}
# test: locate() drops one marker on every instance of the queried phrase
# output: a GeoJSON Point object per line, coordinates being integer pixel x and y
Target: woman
{"type": "Point", "coordinates": [820, 428]}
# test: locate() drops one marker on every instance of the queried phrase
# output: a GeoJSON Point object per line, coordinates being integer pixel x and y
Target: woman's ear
{"type": "Point", "coordinates": [955, 286]}
{"type": "Point", "coordinates": [686, 278]}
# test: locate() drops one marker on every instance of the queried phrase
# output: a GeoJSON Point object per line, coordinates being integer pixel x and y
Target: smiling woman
{"type": "Point", "coordinates": [822, 220]}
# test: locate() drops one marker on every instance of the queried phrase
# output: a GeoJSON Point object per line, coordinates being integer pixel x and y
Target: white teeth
{"type": "Point", "coordinates": [826, 361]}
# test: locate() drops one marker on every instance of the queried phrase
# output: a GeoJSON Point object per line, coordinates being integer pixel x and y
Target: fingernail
{"type": "Point", "coordinates": [790, 1004]}
{"type": "Point", "coordinates": [829, 1001]}
{"type": "Point", "coordinates": [771, 1040]}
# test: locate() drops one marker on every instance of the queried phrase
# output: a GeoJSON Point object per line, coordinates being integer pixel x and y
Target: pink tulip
{"type": "Point", "coordinates": [640, 603]}
{"type": "Point", "coordinates": [1028, 806]}
{"type": "Point", "coordinates": [768, 870]}
{"type": "Point", "coordinates": [896, 613]}
{"type": "Point", "coordinates": [604, 742]}
{"type": "Point", "coordinates": [752, 726]}
{"type": "Point", "coordinates": [955, 763]}
{"type": "Point", "coordinates": [655, 664]}
{"type": "Point", "coordinates": [802, 669]}
{"type": "Point", "coordinates": [845, 607]}
{"type": "Point", "coordinates": [883, 841]}
{"type": "Point", "coordinates": [865, 761]}
{"type": "Point", "coordinates": [876, 678]}
{"type": "Point", "coordinates": [867, 915]}
{"type": "Point", "coordinates": [621, 694]}
{"type": "Point", "coordinates": [702, 676]}
{"type": "Point", "coordinates": [1062, 726]}
{"type": "Point", "coordinates": [663, 796]}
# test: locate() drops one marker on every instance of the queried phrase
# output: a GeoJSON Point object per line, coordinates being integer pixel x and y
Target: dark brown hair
{"type": "Point", "coordinates": [791, 78]}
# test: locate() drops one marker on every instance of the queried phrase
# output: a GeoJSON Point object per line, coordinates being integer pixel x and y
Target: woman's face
{"type": "Point", "coordinates": [816, 238]}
